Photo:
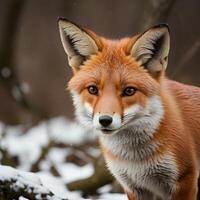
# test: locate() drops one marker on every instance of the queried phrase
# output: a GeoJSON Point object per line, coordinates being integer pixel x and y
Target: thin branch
{"type": "Point", "coordinates": [10, 80]}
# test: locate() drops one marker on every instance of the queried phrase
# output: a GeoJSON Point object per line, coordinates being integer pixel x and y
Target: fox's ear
{"type": "Point", "coordinates": [151, 48]}
{"type": "Point", "coordinates": [78, 44]}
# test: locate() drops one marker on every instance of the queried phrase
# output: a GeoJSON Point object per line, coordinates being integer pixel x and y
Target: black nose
{"type": "Point", "coordinates": [105, 120]}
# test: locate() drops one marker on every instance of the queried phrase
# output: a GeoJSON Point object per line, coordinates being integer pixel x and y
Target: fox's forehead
{"type": "Point", "coordinates": [114, 70]}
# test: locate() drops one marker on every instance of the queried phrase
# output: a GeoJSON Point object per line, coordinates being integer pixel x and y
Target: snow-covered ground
{"type": "Point", "coordinates": [27, 145]}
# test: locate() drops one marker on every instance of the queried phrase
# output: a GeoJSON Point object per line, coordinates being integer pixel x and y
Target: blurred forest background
{"type": "Point", "coordinates": [34, 74]}
{"type": "Point", "coordinates": [33, 65]}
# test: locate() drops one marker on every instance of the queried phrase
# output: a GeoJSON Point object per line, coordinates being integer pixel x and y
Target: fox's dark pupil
{"type": "Point", "coordinates": [93, 90]}
{"type": "Point", "coordinates": [129, 91]}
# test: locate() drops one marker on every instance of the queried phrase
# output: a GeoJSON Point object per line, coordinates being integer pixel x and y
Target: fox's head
{"type": "Point", "coordinates": [116, 83]}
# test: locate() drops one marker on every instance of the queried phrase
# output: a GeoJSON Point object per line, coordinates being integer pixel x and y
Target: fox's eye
{"type": "Point", "coordinates": [129, 91]}
{"type": "Point", "coordinates": [92, 89]}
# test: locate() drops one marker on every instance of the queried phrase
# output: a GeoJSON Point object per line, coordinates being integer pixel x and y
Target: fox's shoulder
{"type": "Point", "coordinates": [184, 91]}
{"type": "Point", "coordinates": [187, 98]}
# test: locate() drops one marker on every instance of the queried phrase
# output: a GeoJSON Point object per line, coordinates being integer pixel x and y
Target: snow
{"type": "Point", "coordinates": [25, 87]}
{"type": "Point", "coordinates": [105, 189]}
{"type": "Point", "coordinates": [16, 93]}
{"type": "Point", "coordinates": [23, 179]}
{"type": "Point", "coordinates": [57, 186]}
{"type": "Point", "coordinates": [22, 198]}
{"type": "Point", "coordinates": [71, 172]}
{"type": "Point", "coordinates": [113, 197]}
{"type": "Point", "coordinates": [29, 145]}
{"type": "Point", "coordinates": [5, 72]}
{"type": "Point", "coordinates": [69, 132]}
{"type": "Point", "coordinates": [26, 145]}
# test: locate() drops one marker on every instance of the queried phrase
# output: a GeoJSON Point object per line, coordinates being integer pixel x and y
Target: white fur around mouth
{"type": "Point", "coordinates": [106, 130]}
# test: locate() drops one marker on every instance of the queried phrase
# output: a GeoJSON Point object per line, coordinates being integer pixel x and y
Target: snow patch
{"type": "Point", "coordinates": [24, 179]}
{"type": "Point", "coordinates": [71, 172]}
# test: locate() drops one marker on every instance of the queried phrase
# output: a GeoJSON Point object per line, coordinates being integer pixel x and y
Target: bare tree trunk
{"type": "Point", "coordinates": [10, 81]}
{"type": "Point", "coordinates": [8, 43]}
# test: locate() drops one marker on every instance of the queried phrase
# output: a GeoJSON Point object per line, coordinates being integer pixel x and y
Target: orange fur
{"type": "Point", "coordinates": [113, 69]}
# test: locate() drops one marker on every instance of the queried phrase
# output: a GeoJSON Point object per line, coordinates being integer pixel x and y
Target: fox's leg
{"type": "Point", "coordinates": [140, 194]}
{"type": "Point", "coordinates": [187, 188]}
{"type": "Point", "coordinates": [130, 195]}
{"type": "Point", "coordinates": [198, 195]}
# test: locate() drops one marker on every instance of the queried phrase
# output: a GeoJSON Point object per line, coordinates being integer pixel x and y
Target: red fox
{"type": "Point", "coordinates": [148, 126]}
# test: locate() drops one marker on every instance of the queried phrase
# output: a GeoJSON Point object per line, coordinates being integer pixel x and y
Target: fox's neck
{"type": "Point", "coordinates": [128, 145]}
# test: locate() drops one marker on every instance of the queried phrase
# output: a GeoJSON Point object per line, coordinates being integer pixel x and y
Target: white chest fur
{"type": "Point", "coordinates": [157, 176]}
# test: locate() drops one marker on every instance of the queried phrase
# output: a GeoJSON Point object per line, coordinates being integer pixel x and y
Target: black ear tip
{"type": "Point", "coordinates": [162, 25]}
{"type": "Point", "coordinates": [61, 19]}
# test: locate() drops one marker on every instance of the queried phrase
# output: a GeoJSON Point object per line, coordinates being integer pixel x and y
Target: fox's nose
{"type": "Point", "coordinates": [105, 120]}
